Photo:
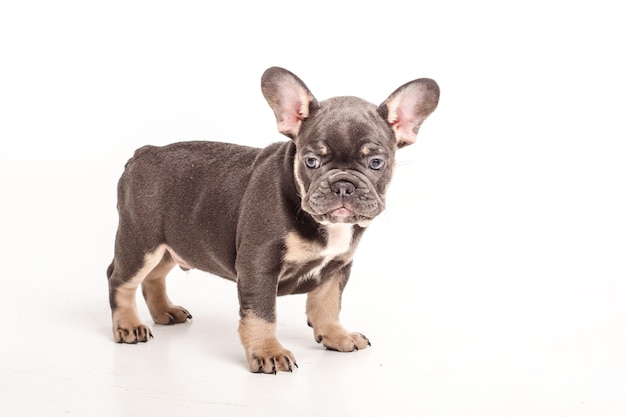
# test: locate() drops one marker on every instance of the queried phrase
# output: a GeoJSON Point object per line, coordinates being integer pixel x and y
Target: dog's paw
{"type": "Point", "coordinates": [128, 328]}
{"type": "Point", "coordinates": [172, 315]}
{"type": "Point", "coordinates": [131, 333]}
{"type": "Point", "coordinates": [337, 338]}
{"type": "Point", "coordinates": [271, 359]}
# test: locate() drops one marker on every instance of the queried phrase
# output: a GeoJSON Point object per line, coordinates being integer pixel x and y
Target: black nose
{"type": "Point", "coordinates": [342, 188]}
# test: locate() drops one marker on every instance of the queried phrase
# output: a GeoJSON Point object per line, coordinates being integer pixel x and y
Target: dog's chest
{"type": "Point", "coordinates": [339, 240]}
{"type": "Point", "coordinates": [305, 259]}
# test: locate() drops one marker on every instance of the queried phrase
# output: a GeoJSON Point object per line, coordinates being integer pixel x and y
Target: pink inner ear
{"type": "Point", "coordinates": [289, 124]}
{"type": "Point", "coordinates": [293, 109]}
{"type": "Point", "coordinates": [402, 124]}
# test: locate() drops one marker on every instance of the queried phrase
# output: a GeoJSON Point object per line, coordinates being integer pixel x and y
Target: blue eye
{"type": "Point", "coordinates": [312, 162]}
{"type": "Point", "coordinates": [376, 164]}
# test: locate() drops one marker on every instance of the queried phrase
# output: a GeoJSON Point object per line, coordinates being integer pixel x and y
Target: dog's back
{"type": "Point", "coordinates": [158, 195]}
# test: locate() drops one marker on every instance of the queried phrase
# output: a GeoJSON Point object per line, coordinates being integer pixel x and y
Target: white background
{"type": "Point", "coordinates": [494, 284]}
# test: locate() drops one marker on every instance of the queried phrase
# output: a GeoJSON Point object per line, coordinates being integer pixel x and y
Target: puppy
{"type": "Point", "coordinates": [280, 220]}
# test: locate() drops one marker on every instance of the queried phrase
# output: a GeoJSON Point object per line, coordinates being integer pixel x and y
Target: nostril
{"type": "Point", "coordinates": [342, 188]}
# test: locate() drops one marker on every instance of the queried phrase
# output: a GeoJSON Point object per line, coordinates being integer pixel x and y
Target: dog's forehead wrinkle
{"type": "Point", "coordinates": [319, 146]}
{"type": "Point", "coordinates": [342, 125]}
{"type": "Point", "coordinates": [346, 138]}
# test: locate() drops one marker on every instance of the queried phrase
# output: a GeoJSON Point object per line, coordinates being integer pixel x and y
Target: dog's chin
{"type": "Point", "coordinates": [342, 215]}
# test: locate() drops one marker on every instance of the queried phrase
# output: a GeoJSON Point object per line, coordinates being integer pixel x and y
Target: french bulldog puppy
{"type": "Point", "coordinates": [279, 220]}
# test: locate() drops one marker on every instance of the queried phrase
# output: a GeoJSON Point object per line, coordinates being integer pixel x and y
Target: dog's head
{"type": "Point", "coordinates": [346, 146]}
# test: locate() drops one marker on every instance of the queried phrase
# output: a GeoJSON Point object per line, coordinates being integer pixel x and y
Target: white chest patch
{"type": "Point", "coordinates": [300, 251]}
{"type": "Point", "coordinates": [339, 239]}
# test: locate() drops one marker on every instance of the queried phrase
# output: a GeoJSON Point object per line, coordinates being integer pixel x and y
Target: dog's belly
{"type": "Point", "coordinates": [208, 264]}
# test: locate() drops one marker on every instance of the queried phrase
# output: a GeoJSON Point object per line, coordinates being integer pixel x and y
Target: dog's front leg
{"type": "Point", "coordinates": [322, 309]}
{"type": "Point", "coordinates": [257, 330]}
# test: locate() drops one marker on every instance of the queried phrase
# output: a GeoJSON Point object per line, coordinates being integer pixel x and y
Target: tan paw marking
{"type": "Point", "coordinates": [264, 352]}
{"type": "Point", "coordinates": [271, 358]}
{"type": "Point", "coordinates": [172, 315]}
{"type": "Point", "coordinates": [130, 331]}
{"type": "Point", "coordinates": [337, 338]}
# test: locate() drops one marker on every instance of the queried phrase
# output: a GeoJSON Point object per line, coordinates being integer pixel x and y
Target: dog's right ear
{"type": "Point", "coordinates": [407, 107]}
{"type": "Point", "coordinates": [290, 99]}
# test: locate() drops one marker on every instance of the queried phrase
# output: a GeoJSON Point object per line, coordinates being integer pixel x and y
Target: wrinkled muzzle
{"type": "Point", "coordinates": [343, 197]}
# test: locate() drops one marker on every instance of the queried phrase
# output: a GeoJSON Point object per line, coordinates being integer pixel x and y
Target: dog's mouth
{"type": "Point", "coordinates": [341, 214]}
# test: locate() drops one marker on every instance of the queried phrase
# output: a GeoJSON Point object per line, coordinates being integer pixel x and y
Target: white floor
{"type": "Point", "coordinates": [494, 284]}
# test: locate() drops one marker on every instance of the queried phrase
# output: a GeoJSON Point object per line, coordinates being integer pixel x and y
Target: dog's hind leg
{"type": "Point", "coordinates": [123, 283]}
{"type": "Point", "coordinates": [153, 287]}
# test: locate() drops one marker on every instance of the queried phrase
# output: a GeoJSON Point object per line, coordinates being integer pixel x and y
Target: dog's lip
{"type": "Point", "coordinates": [341, 215]}
{"type": "Point", "coordinates": [341, 212]}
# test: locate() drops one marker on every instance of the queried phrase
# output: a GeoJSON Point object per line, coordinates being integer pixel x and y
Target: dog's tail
{"type": "Point", "coordinates": [110, 270]}
{"type": "Point", "coordinates": [138, 152]}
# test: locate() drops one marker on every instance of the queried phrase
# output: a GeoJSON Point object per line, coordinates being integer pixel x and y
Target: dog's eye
{"type": "Point", "coordinates": [312, 162]}
{"type": "Point", "coordinates": [376, 164]}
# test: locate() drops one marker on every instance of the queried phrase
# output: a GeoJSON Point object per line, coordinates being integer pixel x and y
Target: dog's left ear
{"type": "Point", "coordinates": [407, 107]}
{"type": "Point", "coordinates": [289, 97]}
